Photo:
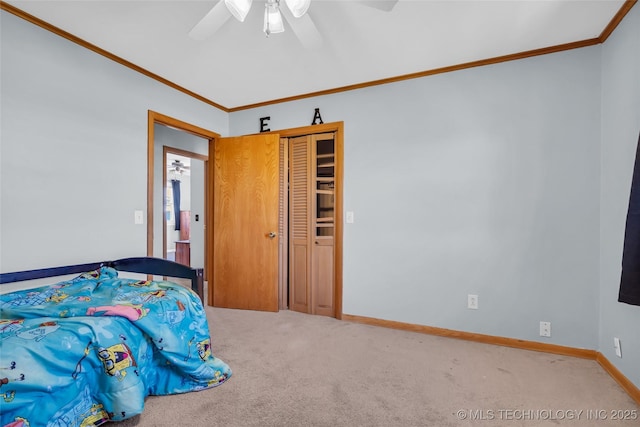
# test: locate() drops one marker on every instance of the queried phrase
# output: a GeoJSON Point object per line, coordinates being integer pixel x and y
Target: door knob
{"type": "Point", "coordinates": [272, 234]}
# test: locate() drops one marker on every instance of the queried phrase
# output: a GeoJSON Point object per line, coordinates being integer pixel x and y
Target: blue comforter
{"type": "Point", "coordinates": [89, 350]}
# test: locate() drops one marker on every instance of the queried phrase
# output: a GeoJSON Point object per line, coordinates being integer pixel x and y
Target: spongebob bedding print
{"type": "Point", "coordinates": [89, 350]}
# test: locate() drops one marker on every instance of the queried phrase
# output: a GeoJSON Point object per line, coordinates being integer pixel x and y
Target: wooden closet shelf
{"type": "Point", "coordinates": [324, 224]}
{"type": "Point", "coordinates": [325, 220]}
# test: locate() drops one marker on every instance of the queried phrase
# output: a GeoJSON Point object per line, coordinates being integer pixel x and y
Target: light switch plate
{"type": "Point", "coordinates": [138, 217]}
{"type": "Point", "coordinates": [349, 217]}
{"type": "Point", "coordinates": [616, 346]}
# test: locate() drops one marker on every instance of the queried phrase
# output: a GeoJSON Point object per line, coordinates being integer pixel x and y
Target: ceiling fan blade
{"type": "Point", "coordinates": [385, 5]}
{"type": "Point", "coordinates": [304, 28]}
{"type": "Point", "coordinates": [212, 21]}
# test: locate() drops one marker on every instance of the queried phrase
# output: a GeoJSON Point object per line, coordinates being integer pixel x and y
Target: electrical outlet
{"type": "Point", "coordinates": [545, 329]}
{"type": "Point", "coordinates": [472, 302]}
{"type": "Point", "coordinates": [616, 346]}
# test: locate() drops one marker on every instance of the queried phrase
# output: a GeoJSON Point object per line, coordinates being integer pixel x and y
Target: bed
{"type": "Point", "coordinates": [90, 349]}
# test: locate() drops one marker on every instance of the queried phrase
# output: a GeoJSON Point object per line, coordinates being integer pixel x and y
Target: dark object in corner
{"type": "Point", "coordinates": [175, 186]}
{"type": "Point", "coordinates": [630, 280]}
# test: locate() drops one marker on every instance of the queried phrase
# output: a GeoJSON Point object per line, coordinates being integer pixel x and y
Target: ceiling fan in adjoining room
{"type": "Point", "coordinates": [295, 14]}
{"type": "Point", "coordinates": [178, 167]}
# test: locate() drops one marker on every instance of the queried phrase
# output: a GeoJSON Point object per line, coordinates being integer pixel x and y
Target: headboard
{"type": "Point", "coordinates": [145, 265]}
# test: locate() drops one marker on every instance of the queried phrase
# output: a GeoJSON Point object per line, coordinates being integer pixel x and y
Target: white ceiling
{"type": "Point", "coordinates": [240, 66]}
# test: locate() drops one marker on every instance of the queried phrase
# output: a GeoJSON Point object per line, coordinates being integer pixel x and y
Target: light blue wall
{"type": "Point", "coordinates": [620, 128]}
{"type": "Point", "coordinates": [482, 181]}
{"type": "Point", "coordinates": [74, 149]}
{"type": "Point", "coordinates": [509, 181]}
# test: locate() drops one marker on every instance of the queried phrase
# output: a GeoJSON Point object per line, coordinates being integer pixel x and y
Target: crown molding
{"type": "Point", "coordinates": [613, 24]}
{"type": "Point", "coordinates": [64, 34]}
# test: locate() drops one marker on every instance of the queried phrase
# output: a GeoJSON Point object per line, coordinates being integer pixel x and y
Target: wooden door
{"type": "Point", "coordinates": [323, 223]}
{"type": "Point", "coordinates": [283, 226]}
{"type": "Point", "coordinates": [245, 222]}
{"type": "Point", "coordinates": [299, 224]}
{"type": "Point", "coordinates": [312, 224]}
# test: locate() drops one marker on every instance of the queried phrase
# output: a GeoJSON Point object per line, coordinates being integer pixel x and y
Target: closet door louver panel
{"type": "Point", "coordinates": [300, 224]}
{"type": "Point", "coordinates": [283, 226]}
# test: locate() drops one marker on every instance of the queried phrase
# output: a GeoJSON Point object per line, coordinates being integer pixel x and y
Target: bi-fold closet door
{"type": "Point", "coordinates": [310, 225]}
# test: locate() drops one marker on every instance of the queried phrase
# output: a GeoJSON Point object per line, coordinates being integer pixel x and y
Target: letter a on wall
{"type": "Point", "coordinates": [630, 281]}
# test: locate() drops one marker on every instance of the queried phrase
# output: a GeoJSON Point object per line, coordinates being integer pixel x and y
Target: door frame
{"type": "Point", "coordinates": [338, 128]}
{"type": "Point", "coordinates": [154, 118]}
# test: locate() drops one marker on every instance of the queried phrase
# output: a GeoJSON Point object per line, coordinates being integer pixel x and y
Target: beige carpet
{"type": "Point", "coordinates": [291, 369]}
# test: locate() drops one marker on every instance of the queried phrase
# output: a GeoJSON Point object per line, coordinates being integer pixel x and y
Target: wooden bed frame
{"type": "Point", "coordinates": [145, 265]}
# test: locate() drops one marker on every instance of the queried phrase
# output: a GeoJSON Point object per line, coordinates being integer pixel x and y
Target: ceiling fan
{"type": "Point", "coordinates": [178, 167]}
{"type": "Point", "coordinates": [295, 14]}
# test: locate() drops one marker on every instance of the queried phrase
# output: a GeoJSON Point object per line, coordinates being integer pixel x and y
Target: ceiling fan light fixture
{"type": "Point", "coordinates": [272, 18]}
{"type": "Point", "coordinates": [298, 7]}
{"type": "Point", "coordinates": [238, 8]}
